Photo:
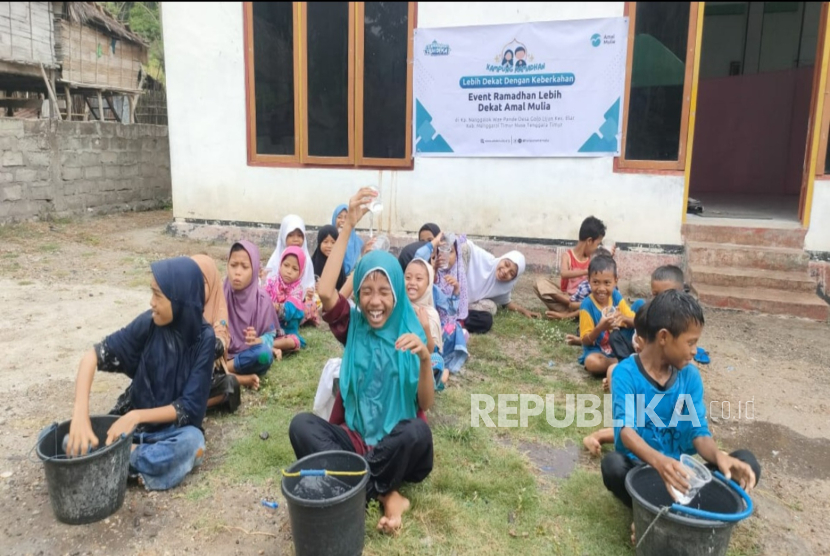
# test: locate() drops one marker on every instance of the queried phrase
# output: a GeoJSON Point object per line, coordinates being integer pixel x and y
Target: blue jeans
{"type": "Point", "coordinates": [255, 360]}
{"type": "Point", "coordinates": [164, 458]}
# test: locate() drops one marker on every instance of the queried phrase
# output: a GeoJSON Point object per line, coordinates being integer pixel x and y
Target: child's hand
{"type": "Point", "coordinates": [531, 314]}
{"type": "Point", "coordinates": [411, 342]}
{"type": "Point", "coordinates": [607, 322]}
{"type": "Point", "coordinates": [124, 425]}
{"type": "Point", "coordinates": [358, 205]}
{"type": "Point", "coordinates": [735, 469]}
{"type": "Point", "coordinates": [674, 474]}
{"type": "Point", "coordinates": [436, 241]}
{"type": "Point", "coordinates": [309, 294]}
{"type": "Point", "coordinates": [80, 437]}
{"type": "Point", "coordinates": [369, 245]}
{"type": "Point", "coordinates": [251, 338]}
{"type": "Point", "coordinates": [456, 288]}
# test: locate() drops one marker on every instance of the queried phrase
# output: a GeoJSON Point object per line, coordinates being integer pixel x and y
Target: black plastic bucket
{"type": "Point", "coordinates": [327, 513]}
{"type": "Point", "coordinates": [675, 533]}
{"type": "Point", "coordinates": [88, 488]}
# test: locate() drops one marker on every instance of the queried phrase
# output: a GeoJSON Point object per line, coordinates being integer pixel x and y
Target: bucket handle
{"type": "Point", "coordinates": [712, 516]}
{"type": "Point", "coordinates": [322, 473]}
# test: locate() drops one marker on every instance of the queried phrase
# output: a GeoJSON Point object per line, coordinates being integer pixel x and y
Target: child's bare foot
{"type": "Point", "coordinates": [394, 506]}
{"type": "Point", "coordinates": [633, 537]}
{"type": "Point", "coordinates": [445, 376]}
{"type": "Point", "coordinates": [277, 354]}
{"type": "Point", "coordinates": [592, 445]}
{"type": "Point", "coordinates": [573, 340]}
{"type": "Point", "coordinates": [248, 381]}
{"type": "Point", "coordinates": [554, 315]}
{"type": "Point", "coordinates": [606, 385]}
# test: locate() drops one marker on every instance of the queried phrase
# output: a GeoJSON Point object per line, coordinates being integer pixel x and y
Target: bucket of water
{"type": "Point", "coordinates": [88, 488]}
{"type": "Point", "coordinates": [327, 511]}
{"type": "Point", "coordinates": [702, 527]}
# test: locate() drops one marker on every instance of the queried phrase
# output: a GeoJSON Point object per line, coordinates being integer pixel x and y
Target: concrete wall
{"type": "Point", "coordinates": [818, 236]}
{"type": "Point", "coordinates": [58, 168]}
{"type": "Point", "coordinates": [516, 198]}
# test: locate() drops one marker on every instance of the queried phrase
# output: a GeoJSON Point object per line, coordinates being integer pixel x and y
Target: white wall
{"type": "Point", "coordinates": [529, 198]}
{"type": "Point", "coordinates": [818, 236]}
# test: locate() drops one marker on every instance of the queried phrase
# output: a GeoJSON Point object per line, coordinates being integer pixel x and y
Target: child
{"type": "Point", "coordinates": [251, 317]}
{"type": "Point", "coordinates": [583, 290]}
{"type": "Point", "coordinates": [451, 302]}
{"type": "Point", "coordinates": [600, 313]}
{"type": "Point", "coordinates": [292, 234]}
{"type": "Point", "coordinates": [286, 292]}
{"type": "Point", "coordinates": [168, 353]}
{"type": "Point", "coordinates": [326, 238]}
{"type": "Point", "coordinates": [428, 232]}
{"type": "Point", "coordinates": [386, 379]}
{"type": "Point", "coordinates": [355, 248]}
{"type": "Point", "coordinates": [667, 381]}
{"type": "Point", "coordinates": [419, 278]}
{"type": "Point", "coordinates": [573, 268]}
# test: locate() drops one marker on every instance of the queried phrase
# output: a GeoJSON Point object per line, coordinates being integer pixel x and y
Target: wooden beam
{"type": "Point", "coordinates": [55, 110]}
{"type": "Point", "coordinates": [100, 106]}
{"type": "Point", "coordinates": [112, 109]}
{"type": "Point", "coordinates": [91, 109]}
{"type": "Point", "coordinates": [133, 105]}
{"type": "Point", "coordinates": [68, 102]}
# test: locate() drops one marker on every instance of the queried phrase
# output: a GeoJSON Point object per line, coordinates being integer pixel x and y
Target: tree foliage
{"type": "Point", "coordinates": [144, 19]}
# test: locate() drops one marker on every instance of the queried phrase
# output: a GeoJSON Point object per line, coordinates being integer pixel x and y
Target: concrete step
{"type": "Point", "coordinates": [752, 278]}
{"type": "Point", "coordinates": [774, 302]}
{"type": "Point", "coordinates": [730, 255]}
{"type": "Point", "coordinates": [764, 237]}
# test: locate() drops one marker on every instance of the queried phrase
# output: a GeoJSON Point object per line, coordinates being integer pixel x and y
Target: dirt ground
{"type": "Point", "coordinates": [65, 285]}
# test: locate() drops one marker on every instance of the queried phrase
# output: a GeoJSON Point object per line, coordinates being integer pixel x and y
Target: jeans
{"type": "Point", "coordinates": [164, 458]}
{"type": "Point", "coordinates": [255, 360]}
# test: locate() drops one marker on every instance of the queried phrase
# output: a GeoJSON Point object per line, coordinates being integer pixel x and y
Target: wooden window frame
{"type": "Point", "coordinates": [255, 159]}
{"type": "Point", "coordinates": [825, 99]}
{"type": "Point", "coordinates": [660, 165]}
{"type": "Point", "coordinates": [301, 158]}
{"type": "Point", "coordinates": [406, 161]}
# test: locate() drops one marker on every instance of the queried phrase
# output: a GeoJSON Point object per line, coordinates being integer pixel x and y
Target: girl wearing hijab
{"type": "Point", "coordinates": [507, 60]}
{"type": "Point", "coordinates": [292, 234]}
{"type": "Point", "coordinates": [385, 378]}
{"type": "Point", "coordinates": [251, 317]}
{"type": "Point", "coordinates": [490, 283]}
{"type": "Point", "coordinates": [224, 388]}
{"type": "Point", "coordinates": [418, 279]}
{"type": "Point", "coordinates": [168, 353]}
{"type": "Point", "coordinates": [286, 294]}
{"type": "Point", "coordinates": [452, 305]}
{"type": "Point", "coordinates": [355, 248]}
{"type": "Point", "coordinates": [428, 232]}
{"type": "Point", "coordinates": [326, 238]}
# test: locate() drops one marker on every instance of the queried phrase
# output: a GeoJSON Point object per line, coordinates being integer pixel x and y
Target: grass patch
{"type": "Point", "coordinates": [25, 283]}
{"type": "Point", "coordinates": [9, 255]}
{"type": "Point", "coordinates": [483, 497]}
{"type": "Point", "coordinates": [49, 248]}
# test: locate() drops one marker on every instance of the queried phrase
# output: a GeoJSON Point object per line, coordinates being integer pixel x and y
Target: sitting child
{"type": "Point", "coordinates": [168, 353]}
{"type": "Point", "coordinates": [286, 292]}
{"type": "Point", "coordinates": [601, 313]}
{"type": "Point", "coordinates": [251, 317]}
{"type": "Point", "coordinates": [583, 290]}
{"type": "Point", "coordinates": [418, 279]}
{"type": "Point", "coordinates": [451, 302]}
{"type": "Point", "coordinates": [573, 269]}
{"type": "Point", "coordinates": [664, 376]}
{"type": "Point", "coordinates": [293, 234]}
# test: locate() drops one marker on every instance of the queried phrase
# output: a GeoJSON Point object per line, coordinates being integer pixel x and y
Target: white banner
{"type": "Point", "coordinates": [529, 89]}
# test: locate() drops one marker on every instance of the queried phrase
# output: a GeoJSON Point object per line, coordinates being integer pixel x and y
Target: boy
{"type": "Point", "coordinates": [602, 312]}
{"type": "Point", "coordinates": [670, 417]}
{"type": "Point", "coordinates": [583, 290]}
{"type": "Point", "coordinates": [573, 269]}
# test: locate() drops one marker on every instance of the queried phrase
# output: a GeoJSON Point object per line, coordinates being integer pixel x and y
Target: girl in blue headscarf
{"type": "Point", "coordinates": [168, 353]}
{"type": "Point", "coordinates": [386, 380]}
{"type": "Point", "coordinates": [355, 247]}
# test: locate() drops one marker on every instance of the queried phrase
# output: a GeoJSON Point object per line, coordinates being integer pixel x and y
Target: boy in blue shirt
{"type": "Point", "coordinates": [672, 414]}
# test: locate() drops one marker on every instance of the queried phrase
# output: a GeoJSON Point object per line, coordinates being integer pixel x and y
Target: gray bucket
{"type": "Point", "coordinates": [328, 514]}
{"type": "Point", "coordinates": [675, 533]}
{"type": "Point", "coordinates": [88, 488]}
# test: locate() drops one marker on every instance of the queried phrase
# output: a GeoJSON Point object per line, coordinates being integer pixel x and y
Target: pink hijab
{"type": "Point", "coordinates": [281, 291]}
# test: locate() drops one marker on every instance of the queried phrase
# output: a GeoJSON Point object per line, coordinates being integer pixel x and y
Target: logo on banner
{"type": "Point", "coordinates": [514, 57]}
{"type": "Point", "coordinates": [435, 48]}
{"type": "Point", "coordinates": [597, 39]}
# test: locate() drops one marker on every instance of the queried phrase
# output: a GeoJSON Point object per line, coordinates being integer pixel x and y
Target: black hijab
{"type": "Point", "coordinates": [319, 260]}
{"type": "Point", "coordinates": [431, 227]}
{"type": "Point", "coordinates": [408, 253]}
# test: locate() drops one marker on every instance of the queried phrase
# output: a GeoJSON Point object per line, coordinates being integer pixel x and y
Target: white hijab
{"type": "Point", "coordinates": [289, 224]}
{"type": "Point", "coordinates": [481, 275]}
{"type": "Point", "coordinates": [427, 302]}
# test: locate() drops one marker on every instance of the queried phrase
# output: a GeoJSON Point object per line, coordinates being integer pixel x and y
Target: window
{"type": "Point", "coordinates": [658, 84]}
{"type": "Point", "coordinates": [329, 83]}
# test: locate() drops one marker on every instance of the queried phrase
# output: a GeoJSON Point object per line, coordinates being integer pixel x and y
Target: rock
{"type": "Point", "coordinates": [264, 435]}
{"type": "Point", "coordinates": [6, 474]}
{"type": "Point", "coordinates": [148, 512]}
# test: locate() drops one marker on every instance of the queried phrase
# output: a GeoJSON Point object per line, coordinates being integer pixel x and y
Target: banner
{"type": "Point", "coordinates": [529, 89]}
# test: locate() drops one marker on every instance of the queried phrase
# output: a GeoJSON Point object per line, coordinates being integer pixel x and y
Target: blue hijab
{"type": "Point", "coordinates": [170, 364]}
{"type": "Point", "coordinates": [378, 383]}
{"type": "Point", "coordinates": [355, 247]}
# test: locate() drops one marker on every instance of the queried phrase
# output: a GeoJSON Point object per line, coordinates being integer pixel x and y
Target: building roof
{"type": "Point", "coordinates": [92, 13]}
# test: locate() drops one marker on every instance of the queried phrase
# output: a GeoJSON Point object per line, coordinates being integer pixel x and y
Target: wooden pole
{"type": "Point", "coordinates": [53, 99]}
{"type": "Point", "coordinates": [112, 109]}
{"type": "Point", "coordinates": [100, 106]}
{"type": "Point", "coordinates": [68, 102]}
